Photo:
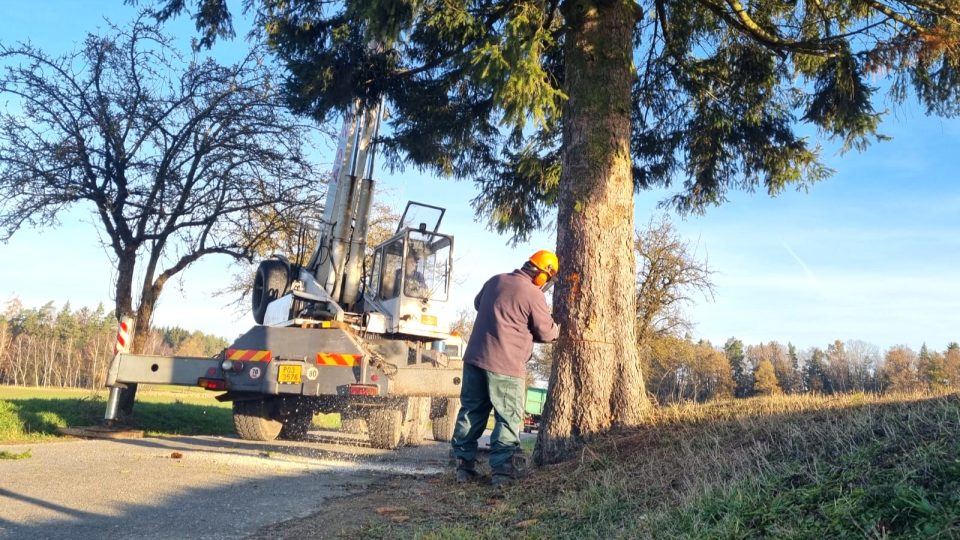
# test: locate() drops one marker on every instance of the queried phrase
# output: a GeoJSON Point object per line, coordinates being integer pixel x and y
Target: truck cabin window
{"type": "Point", "coordinates": [426, 266]}
{"type": "Point", "coordinates": [390, 270]}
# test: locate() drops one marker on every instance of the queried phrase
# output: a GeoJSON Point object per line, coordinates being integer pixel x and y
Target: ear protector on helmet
{"type": "Point", "coordinates": [546, 264]}
{"type": "Point", "coordinates": [541, 278]}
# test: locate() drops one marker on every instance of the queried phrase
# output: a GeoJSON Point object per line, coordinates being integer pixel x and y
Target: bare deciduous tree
{"type": "Point", "coordinates": [668, 276]}
{"type": "Point", "coordinates": [864, 359]}
{"type": "Point", "coordinates": [176, 159]}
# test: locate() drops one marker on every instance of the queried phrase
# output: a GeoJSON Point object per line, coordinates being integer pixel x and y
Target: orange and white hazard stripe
{"type": "Point", "coordinates": [334, 359]}
{"type": "Point", "coordinates": [248, 355]}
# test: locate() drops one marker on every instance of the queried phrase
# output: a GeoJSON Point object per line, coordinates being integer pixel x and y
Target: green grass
{"type": "Point", "coordinates": [34, 414]}
{"type": "Point", "coordinates": [15, 455]}
{"type": "Point", "coordinates": [782, 467]}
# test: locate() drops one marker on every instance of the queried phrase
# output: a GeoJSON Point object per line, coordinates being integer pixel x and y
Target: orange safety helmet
{"type": "Point", "coordinates": [547, 264]}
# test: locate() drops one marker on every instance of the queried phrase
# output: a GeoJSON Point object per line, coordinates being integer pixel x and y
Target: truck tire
{"type": "Point", "coordinates": [296, 425]}
{"type": "Point", "coordinates": [416, 419]}
{"type": "Point", "coordinates": [256, 420]}
{"type": "Point", "coordinates": [386, 428]}
{"type": "Point", "coordinates": [353, 422]}
{"type": "Point", "coordinates": [444, 415]}
{"type": "Point", "coordinates": [269, 283]}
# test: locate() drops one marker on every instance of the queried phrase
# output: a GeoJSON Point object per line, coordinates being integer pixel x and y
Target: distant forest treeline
{"type": "Point", "coordinates": [47, 346]}
{"type": "Point", "coordinates": [678, 369]}
{"type": "Point", "coordinates": [69, 347]}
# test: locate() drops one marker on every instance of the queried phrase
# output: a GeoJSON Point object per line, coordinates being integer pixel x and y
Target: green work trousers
{"type": "Point", "coordinates": [483, 391]}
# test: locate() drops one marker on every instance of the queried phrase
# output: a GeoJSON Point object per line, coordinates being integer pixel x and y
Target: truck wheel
{"type": "Point", "coordinates": [296, 425]}
{"type": "Point", "coordinates": [353, 422]}
{"type": "Point", "coordinates": [418, 414]}
{"type": "Point", "coordinates": [269, 283]}
{"type": "Point", "coordinates": [386, 428]}
{"type": "Point", "coordinates": [444, 415]}
{"type": "Point", "coordinates": [256, 420]}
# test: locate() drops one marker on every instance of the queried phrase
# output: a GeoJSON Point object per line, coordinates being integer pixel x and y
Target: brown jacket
{"type": "Point", "coordinates": [512, 313]}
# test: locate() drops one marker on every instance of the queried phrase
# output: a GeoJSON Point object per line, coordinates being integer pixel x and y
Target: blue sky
{"type": "Point", "coordinates": [872, 253]}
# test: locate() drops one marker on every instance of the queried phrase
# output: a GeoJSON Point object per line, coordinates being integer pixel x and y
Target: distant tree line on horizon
{"type": "Point", "coordinates": [682, 369]}
{"type": "Point", "coordinates": [69, 347]}
{"type": "Point", "coordinates": [679, 369]}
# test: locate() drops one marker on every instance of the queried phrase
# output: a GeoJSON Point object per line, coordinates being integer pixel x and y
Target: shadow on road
{"type": "Point", "coordinates": [220, 488]}
{"type": "Point", "coordinates": [230, 510]}
{"type": "Point", "coordinates": [78, 514]}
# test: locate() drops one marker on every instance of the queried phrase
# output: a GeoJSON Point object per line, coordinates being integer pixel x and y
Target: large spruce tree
{"type": "Point", "coordinates": [578, 103]}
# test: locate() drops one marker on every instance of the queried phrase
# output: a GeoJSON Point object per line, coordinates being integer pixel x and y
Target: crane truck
{"type": "Point", "coordinates": [374, 346]}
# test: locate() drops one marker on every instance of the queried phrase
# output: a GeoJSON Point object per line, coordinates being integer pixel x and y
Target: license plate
{"type": "Point", "coordinates": [289, 375]}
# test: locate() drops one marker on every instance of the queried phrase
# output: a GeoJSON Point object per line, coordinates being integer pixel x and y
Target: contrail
{"type": "Point", "coordinates": [806, 269]}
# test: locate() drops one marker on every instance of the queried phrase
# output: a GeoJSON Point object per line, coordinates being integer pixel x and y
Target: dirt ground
{"type": "Point", "coordinates": [397, 500]}
{"type": "Point", "coordinates": [404, 506]}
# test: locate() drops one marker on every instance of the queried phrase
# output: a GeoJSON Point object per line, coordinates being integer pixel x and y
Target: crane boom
{"type": "Point", "coordinates": [337, 260]}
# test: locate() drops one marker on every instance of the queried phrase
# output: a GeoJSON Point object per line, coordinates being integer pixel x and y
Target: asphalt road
{"type": "Point", "coordinates": [187, 487]}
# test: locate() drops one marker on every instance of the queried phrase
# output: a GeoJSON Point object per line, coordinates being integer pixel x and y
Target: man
{"type": "Point", "coordinates": [512, 314]}
{"type": "Point", "coordinates": [415, 284]}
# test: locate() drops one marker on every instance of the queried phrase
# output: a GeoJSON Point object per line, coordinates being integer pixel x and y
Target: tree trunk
{"type": "Point", "coordinates": [141, 325]}
{"type": "Point", "coordinates": [595, 383]}
{"type": "Point", "coordinates": [34, 358]}
{"type": "Point", "coordinates": [148, 300]}
{"type": "Point", "coordinates": [20, 373]}
{"type": "Point", "coordinates": [141, 331]}
{"type": "Point", "coordinates": [124, 291]}
{"type": "Point", "coordinates": [125, 269]}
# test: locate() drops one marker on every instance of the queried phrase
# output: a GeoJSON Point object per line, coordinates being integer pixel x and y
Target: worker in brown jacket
{"type": "Point", "coordinates": [512, 314]}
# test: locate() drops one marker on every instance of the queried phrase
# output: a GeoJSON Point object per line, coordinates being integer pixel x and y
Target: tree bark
{"type": "Point", "coordinates": [141, 326]}
{"type": "Point", "coordinates": [595, 383]}
{"type": "Point", "coordinates": [126, 263]}
{"type": "Point", "coordinates": [124, 307]}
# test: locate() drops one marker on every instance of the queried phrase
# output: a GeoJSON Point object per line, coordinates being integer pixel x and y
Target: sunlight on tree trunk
{"type": "Point", "coordinates": [596, 381]}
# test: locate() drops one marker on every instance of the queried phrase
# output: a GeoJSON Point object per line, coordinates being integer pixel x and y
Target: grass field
{"type": "Point", "coordinates": [855, 466]}
{"type": "Point", "coordinates": [33, 414]}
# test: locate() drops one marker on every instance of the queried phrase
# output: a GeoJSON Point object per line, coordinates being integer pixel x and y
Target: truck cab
{"type": "Point", "coordinates": [408, 287]}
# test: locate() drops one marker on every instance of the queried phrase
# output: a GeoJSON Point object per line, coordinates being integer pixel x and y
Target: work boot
{"type": "Point", "coordinates": [509, 472]}
{"type": "Point", "coordinates": [466, 470]}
